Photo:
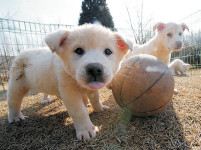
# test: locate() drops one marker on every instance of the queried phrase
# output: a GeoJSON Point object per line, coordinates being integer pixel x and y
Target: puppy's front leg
{"type": "Point", "coordinates": [77, 110]}
{"type": "Point", "coordinates": [94, 99]}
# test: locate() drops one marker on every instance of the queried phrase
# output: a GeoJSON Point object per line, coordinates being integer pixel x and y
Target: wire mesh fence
{"type": "Point", "coordinates": [16, 36]}
{"type": "Point", "coordinates": [191, 53]}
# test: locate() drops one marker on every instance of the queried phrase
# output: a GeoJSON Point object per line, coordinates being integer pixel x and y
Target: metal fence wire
{"type": "Point", "coordinates": [15, 36]}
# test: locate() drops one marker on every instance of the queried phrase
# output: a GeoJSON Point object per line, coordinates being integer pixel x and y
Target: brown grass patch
{"type": "Point", "coordinates": [49, 126]}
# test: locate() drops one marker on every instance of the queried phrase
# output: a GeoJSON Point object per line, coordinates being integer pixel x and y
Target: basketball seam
{"type": "Point", "coordinates": [125, 105]}
{"type": "Point", "coordinates": [121, 101]}
{"type": "Point", "coordinates": [153, 109]}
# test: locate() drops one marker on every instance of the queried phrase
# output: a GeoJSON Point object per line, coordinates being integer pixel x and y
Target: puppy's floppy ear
{"type": "Point", "coordinates": [56, 40]}
{"type": "Point", "coordinates": [184, 26]}
{"type": "Point", "coordinates": [159, 26]}
{"type": "Point", "coordinates": [123, 43]}
{"type": "Point", "coordinates": [188, 65]}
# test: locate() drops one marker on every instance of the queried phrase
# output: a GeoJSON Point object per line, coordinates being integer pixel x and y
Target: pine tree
{"type": "Point", "coordinates": [96, 10]}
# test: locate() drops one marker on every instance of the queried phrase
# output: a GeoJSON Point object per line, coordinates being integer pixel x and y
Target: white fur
{"type": "Point", "coordinates": [46, 99]}
{"type": "Point", "coordinates": [177, 66]}
{"type": "Point", "coordinates": [64, 73]}
{"type": "Point", "coordinates": [161, 45]}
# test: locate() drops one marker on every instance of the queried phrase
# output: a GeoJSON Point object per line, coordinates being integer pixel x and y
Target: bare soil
{"type": "Point", "coordinates": [50, 127]}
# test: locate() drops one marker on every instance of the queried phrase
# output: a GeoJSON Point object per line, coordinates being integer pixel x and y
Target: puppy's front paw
{"type": "Point", "coordinates": [87, 133]}
{"type": "Point", "coordinates": [176, 92]}
{"type": "Point", "coordinates": [101, 108]}
{"type": "Point", "coordinates": [88, 105]}
{"type": "Point", "coordinates": [109, 86]}
{"type": "Point", "coordinates": [16, 118]}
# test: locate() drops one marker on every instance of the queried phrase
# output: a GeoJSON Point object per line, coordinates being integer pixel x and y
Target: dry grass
{"type": "Point", "coordinates": [49, 126]}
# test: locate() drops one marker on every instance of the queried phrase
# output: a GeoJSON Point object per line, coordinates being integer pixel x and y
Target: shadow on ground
{"type": "Point", "coordinates": [162, 131]}
{"type": "Point", "coordinates": [48, 128]}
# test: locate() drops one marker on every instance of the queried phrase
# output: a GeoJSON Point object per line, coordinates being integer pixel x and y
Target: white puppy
{"type": "Point", "coordinates": [46, 99]}
{"type": "Point", "coordinates": [169, 38]}
{"type": "Point", "coordinates": [84, 61]}
{"type": "Point", "coordinates": [177, 66]}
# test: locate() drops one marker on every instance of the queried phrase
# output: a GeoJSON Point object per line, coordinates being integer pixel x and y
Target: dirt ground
{"type": "Point", "coordinates": [50, 127]}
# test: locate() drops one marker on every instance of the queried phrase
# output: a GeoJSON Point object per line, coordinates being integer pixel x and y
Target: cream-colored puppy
{"type": "Point", "coordinates": [169, 38]}
{"type": "Point", "coordinates": [84, 61]}
{"type": "Point", "coordinates": [178, 66]}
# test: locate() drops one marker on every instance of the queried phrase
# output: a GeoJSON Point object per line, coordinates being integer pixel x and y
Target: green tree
{"type": "Point", "coordinates": [96, 11]}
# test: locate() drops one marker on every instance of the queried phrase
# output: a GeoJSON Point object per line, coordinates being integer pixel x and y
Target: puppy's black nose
{"type": "Point", "coordinates": [178, 44]}
{"type": "Point", "coordinates": [94, 69]}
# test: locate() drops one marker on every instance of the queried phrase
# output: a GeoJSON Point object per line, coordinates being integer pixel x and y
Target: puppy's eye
{"type": "Point", "coordinates": [79, 51]}
{"type": "Point", "coordinates": [180, 33]}
{"type": "Point", "coordinates": [169, 34]}
{"type": "Point", "coordinates": [108, 52]}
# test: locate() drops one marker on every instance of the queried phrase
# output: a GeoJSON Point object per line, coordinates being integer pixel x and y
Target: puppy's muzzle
{"type": "Point", "coordinates": [95, 75]}
{"type": "Point", "coordinates": [178, 44]}
{"type": "Point", "coordinates": [94, 72]}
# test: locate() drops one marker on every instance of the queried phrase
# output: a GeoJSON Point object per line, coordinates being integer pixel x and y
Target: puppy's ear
{"type": "Point", "coordinates": [184, 26]}
{"type": "Point", "coordinates": [159, 26]}
{"type": "Point", "coordinates": [123, 43]}
{"type": "Point", "coordinates": [188, 65]}
{"type": "Point", "coordinates": [56, 40]}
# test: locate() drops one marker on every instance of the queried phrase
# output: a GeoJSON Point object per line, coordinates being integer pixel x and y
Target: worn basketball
{"type": "Point", "coordinates": [144, 85]}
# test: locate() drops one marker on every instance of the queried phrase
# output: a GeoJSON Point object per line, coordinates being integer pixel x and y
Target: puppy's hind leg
{"type": "Point", "coordinates": [15, 94]}
{"type": "Point", "coordinates": [17, 89]}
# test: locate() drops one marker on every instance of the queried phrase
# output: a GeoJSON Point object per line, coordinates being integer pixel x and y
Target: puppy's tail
{"type": "Point", "coordinates": [18, 68]}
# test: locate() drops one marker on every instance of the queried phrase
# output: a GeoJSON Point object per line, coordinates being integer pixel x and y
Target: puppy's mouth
{"type": "Point", "coordinates": [95, 76]}
{"type": "Point", "coordinates": [96, 85]}
{"type": "Point", "coordinates": [175, 48]}
{"type": "Point", "coordinates": [178, 46]}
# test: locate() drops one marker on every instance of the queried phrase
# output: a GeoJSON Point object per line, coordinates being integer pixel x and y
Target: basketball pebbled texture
{"type": "Point", "coordinates": [144, 85]}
